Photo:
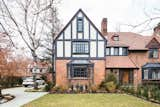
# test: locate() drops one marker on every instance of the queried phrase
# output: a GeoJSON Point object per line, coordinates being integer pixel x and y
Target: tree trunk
{"type": "Point", "coordinates": [0, 93]}
{"type": "Point", "coordinates": [34, 74]}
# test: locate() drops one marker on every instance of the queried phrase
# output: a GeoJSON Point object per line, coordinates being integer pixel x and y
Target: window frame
{"type": "Point", "coordinates": [151, 51]}
{"type": "Point", "coordinates": [116, 38]}
{"type": "Point", "coordinates": [80, 21]}
{"type": "Point", "coordinates": [80, 53]}
{"type": "Point", "coordinates": [109, 50]}
{"type": "Point", "coordinates": [79, 73]}
{"type": "Point", "coordinates": [152, 74]}
{"type": "Point", "coordinates": [115, 51]}
{"type": "Point", "coordinates": [126, 54]}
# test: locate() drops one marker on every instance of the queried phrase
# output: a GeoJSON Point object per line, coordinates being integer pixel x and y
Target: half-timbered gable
{"type": "Point", "coordinates": [80, 39]}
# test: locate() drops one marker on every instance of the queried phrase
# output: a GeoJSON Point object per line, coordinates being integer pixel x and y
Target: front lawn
{"type": "Point", "coordinates": [89, 100]}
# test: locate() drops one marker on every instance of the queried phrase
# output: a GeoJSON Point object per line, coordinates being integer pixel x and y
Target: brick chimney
{"type": "Point", "coordinates": [104, 26]}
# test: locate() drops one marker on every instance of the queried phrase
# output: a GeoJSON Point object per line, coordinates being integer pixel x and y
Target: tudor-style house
{"type": "Point", "coordinates": [84, 55]}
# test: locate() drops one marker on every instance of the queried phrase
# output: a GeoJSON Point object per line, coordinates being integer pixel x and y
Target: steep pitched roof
{"type": "Point", "coordinates": [79, 11]}
{"type": "Point", "coordinates": [131, 40]}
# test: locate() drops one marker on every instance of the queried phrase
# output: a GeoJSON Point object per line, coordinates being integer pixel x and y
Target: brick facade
{"type": "Point", "coordinates": [61, 73]}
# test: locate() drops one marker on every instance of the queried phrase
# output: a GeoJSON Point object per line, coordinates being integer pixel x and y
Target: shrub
{"type": "Point", "coordinates": [139, 91]}
{"type": "Point", "coordinates": [145, 91]}
{"type": "Point", "coordinates": [10, 81]}
{"type": "Point", "coordinates": [94, 88]}
{"type": "Point", "coordinates": [62, 89]}
{"type": "Point", "coordinates": [55, 89]}
{"type": "Point", "coordinates": [48, 86]}
{"type": "Point", "coordinates": [109, 78]}
{"type": "Point", "coordinates": [157, 95]}
{"type": "Point", "coordinates": [59, 89]}
{"type": "Point", "coordinates": [110, 86]}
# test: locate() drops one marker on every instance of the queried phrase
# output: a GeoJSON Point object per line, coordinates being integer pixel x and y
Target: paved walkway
{"type": "Point", "coordinates": [21, 96]}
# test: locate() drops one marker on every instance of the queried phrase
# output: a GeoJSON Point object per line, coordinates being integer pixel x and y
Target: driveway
{"type": "Point", "coordinates": [21, 97]}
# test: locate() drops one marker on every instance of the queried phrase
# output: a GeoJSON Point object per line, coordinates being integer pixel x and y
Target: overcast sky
{"type": "Point", "coordinates": [117, 11]}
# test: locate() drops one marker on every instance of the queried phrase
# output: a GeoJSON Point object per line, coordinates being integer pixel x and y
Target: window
{"type": "Point", "coordinates": [79, 71]}
{"type": "Point", "coordinates": [153, 53]}
{"type": "Point", "coordinates": [79, 24]}
{"type": "Point", "coordinates": [151, 74]}
{"type": "Point", "coordinates": [155, 74]}
{"type": "Point", "coordinates": [116, 38]}
{"type": "Point", "coordinates": [116, 51]}
{"type": "Point", "coordinates": [107, 51]}
{"type": "Point", "coordinates": [145, 74]}
{"type": "Point", "coordinates": [80, 47]}
{"type": "Point", "coordinates": [124, 51]}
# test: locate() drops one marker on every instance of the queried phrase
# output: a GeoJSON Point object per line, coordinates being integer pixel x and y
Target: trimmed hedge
{"type": "Point", "coordinates": [145, 91]}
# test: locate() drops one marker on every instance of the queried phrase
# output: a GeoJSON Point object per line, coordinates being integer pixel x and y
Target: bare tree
{"type": "Point", "coordinates": [54, 25]}
{"type": "Point", "coordinates": [28, 23]}
{"type": "Point", "coordinates": [147, 24]}
{"type": "Point", "coordinates": [28, 19]}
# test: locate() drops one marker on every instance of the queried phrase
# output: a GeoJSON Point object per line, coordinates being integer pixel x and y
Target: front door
{"type": "Point", "coordinates": [126, 76]}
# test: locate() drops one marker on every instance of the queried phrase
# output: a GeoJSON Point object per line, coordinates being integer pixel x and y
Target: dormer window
{"type": "Point", "coordinates": [115, 37]}
{"type": "Point", "coordinates": [153, 53]}
{"type": "Point", "coordinates": [79, 24]}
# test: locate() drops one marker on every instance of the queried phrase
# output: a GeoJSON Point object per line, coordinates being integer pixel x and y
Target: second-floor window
{"type": "Point", "coordinates": [80, 47]}
{"type": "Point", "coordinates": [116, 51]}
{"type": "Point", "coordinates": [153, 53]}
{"type": "Point", "coordinates": [79, 24]}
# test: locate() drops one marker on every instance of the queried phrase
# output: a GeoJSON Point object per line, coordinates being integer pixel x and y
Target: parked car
{"type": "Point", "coordinates": [28, 81]}
{"type": "Point", "coordinates": [40, 81]}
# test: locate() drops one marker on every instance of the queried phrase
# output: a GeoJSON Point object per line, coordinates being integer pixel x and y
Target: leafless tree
{"type": "Point", "coordinates": [25, 19]}
{"type": "Point", "coordinates": [147, 24]}
{"type": "Point", "coordinates": [28, 19]}
{"type": "Point", "coordinates": [54, 25]}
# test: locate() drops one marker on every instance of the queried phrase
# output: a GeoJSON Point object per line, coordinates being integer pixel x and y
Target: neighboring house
{"type": "Point", "coordinates": [84, 55]}
{"type": "Point", "coordinates": [42, 68]}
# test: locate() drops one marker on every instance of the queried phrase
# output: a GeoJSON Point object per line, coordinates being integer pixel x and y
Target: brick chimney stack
{"type": "Point", "coordinates": [104, 26]}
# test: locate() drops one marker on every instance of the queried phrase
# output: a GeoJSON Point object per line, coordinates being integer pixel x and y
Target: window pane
{"type": "Point", "coordinates": [107, 51]}
{"type": "Point", "coordinates": [145, 74]}
{"type": "Point", "coordinates": [158, 74]}
{"type": "Point", "coordinates": [153, 53]}
{"type": "Point", "coordinates": [116, 51]}
{"type": "Point", "coordinates": [80, 48]}
{"type": "Point", "coordinates": [116, 38]}
{"type": "Point", "coordinates": [124, 51]}
{"type": "Point", "coordinates": [80, 25]}
{"type": "Point", "coordinates": [79, 71]}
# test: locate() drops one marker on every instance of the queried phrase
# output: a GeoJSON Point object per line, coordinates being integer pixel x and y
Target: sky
{"type": "Point", "coordinates": [118, 13]}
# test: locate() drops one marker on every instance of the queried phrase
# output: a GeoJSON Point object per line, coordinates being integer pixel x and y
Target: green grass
{"type": "Point", "coordinates": [89, 100]}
